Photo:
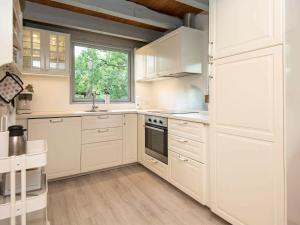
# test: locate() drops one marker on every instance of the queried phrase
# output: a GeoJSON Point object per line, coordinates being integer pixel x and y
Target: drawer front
{"type": "Point", "coordinates": [101, 121]}
{"type": "Point", "coordinates": [101, 155]}
{"type": "Point", "coordinates": [188, 148]}
{"type": "Point", "coordinates": [188, 175]}
{"type": "Point", "coordinates": [102, 134]}
{"type": "Point", "coordinates": [156, 166]}
{"type": "Point", "coordinates": [185, 129]}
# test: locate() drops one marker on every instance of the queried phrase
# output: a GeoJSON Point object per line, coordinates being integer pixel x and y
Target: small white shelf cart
{"type": "Point", "coordinates": [27, 202]}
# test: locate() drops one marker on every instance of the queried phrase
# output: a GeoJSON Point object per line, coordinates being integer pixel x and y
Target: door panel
{"type": "Point", "coordinates": [63, 136]}
{"type": "Point", "coordinates": [241, 26]}
{"type": "Point", "coordinates": [247, 158]}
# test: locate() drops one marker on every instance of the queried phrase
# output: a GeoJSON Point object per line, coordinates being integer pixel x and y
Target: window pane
{"type": "Point", "coordinates": [98, 69]}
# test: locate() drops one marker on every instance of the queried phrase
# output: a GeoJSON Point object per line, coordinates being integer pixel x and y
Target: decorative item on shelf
{"type": "Point", "coordinates": [24, 100]}
{"type": "Point", "coordinates": [4, 137]}
{"type": "Point", "coordinates": [106, 96]}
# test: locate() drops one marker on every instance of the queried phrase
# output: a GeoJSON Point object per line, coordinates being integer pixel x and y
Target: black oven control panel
{"type": "Point", "coordinates": [156, 120]}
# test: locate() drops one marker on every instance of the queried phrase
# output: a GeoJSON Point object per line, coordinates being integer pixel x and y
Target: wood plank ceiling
{"type": "Point", "coordinates": [169, 7]}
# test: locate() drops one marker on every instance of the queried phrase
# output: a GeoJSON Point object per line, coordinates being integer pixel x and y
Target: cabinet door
{"type": "Point", "coordinates": [240, 26]}
{"type": "Point", "coordinates": [101, 155]}
{"type": "Point", "coordinates": [33, 57]}
{"type": "Point", "coordinates": [188, 175]}
{"type": "Point", "coordinates": [63, 136]}
{"type": "Point", "coordinates": [247, 138]}
{"type": "Point", "coordinates": [130, 138]}
{"type": "Point", "coordinates": [57, 58]}
{"type": "Point", "coordinates": [141, 138]}
{"type": "Point", "coordinates": [150, 57]}
{"type": "Point", "coordinates": [139, 65]}
{"type": "Point", "coordinates": [168, 55]}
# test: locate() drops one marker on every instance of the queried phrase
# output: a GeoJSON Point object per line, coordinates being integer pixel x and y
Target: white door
{"type": "Point", "coordinates": [239, 26]}
{"type": "Point", "coordinates": [247, 161]}
{"type": "Point", "coordinates": [141, 138]}
{"type": "Point", "coordinates": [63, 136]}
{"type": "Point", "coordinates": [130, 138]}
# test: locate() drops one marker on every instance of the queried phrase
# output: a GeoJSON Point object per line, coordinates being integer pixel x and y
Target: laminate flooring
{"type": "Point", "coordinates": [129, 195]}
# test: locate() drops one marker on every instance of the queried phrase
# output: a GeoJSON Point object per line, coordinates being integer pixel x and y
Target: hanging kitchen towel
{"type": "Point", "coordinates": [10, 83]}
{"type": "Point", "coordinates": [11, 68]}
{"type": "Point", "coordinates": [10, 87]}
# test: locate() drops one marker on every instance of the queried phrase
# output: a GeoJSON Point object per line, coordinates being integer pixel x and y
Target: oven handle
{"type": "Point", "coordinates": [154, 128]}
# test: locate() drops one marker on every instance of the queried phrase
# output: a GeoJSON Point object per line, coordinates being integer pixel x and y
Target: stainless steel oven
{"type": "Point", "coordinates": [156, 137]}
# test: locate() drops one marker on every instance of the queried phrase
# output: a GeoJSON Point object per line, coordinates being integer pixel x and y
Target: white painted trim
{"type": "Point", "coordinates": [195, 4]}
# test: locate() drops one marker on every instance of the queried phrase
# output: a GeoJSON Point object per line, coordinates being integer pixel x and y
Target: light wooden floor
{"type": "Point", "coordinates": [126, 196]}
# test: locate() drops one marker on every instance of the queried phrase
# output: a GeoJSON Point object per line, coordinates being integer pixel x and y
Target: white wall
{"type": "Point", "coordinates": [292, 68]}
{"type": "Point", "coordinates": [184, 92]}
{"type": "Point", "coordinates": [53, 94]}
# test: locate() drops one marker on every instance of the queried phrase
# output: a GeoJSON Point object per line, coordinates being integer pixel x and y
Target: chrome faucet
{"type": "Point", "coordinates": [94, 107]}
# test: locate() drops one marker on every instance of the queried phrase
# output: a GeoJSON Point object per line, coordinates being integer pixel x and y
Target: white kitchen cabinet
{"type": "Point", "coordinates": [180, 52]}
{"type": "Point", "coordinates": [101, 155]}
{"type": "Point", "coordinates": [130, 138]}
{"type": "Point", "coordinates": [177, 53]}
{"type": "Point", "coordinates": [141, 138]}
{"type": "Point", "coordinates": [63, 136]}
{"type": "Point", "coordinates": [242, 26]}
{"type": "Point", "coordinates": [150, 60]}
{"type": "Point", "coordinates": [188, 175]}
{"type": "Point", "coordinates": [156, 166]}
{"type": "Point", "coordinates": [102, 134]}
{"type": "Point", "coordinates": [247, 182]}
{"type": "Point", "coordinates": [57, 53]}
{"type": "Point", "coordinates": [139, 72]}
{"type": "Point", "coordinates": [45, 52]}
{"type": "Point", "coordinates": [101, 121]}
{"type": "Point", "coordinates": [11, 29]}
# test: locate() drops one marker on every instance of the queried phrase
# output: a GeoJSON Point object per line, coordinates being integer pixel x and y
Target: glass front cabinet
{"type": "Point", "coordinates": [45, 52]}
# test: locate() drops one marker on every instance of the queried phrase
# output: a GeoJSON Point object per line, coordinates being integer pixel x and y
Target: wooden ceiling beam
{"type": "Point", "coordinates": [89, 8]}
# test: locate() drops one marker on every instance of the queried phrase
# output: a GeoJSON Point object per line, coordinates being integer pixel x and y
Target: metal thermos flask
{"type": "Point", "coordinates": [17, 142]}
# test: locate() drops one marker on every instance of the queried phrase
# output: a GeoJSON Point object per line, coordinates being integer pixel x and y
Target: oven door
{"type": "Point", "coordinates": [156, 142]}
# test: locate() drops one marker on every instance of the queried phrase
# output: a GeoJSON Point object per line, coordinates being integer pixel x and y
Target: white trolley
{"type": "Point", "coordinates": [27, 202]}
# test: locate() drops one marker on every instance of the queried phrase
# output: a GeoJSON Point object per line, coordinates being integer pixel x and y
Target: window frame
{"type": "Point", "coordinates": [131, 88]}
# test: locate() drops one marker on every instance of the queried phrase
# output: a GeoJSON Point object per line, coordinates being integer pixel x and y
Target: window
{"type": "Point", "coordinates": [97, 69]}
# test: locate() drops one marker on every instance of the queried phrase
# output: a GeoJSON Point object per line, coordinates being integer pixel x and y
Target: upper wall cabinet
{"type": "Point", "coordinates": [45, 52]}
{"type": "Point", "coordinates": [177, 53]}
{"type": "Point", "coordinates": [242, 26]}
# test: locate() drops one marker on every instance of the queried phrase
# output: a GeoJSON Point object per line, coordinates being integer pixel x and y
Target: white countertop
{"type": "Point", "coordinates": [200, 117]}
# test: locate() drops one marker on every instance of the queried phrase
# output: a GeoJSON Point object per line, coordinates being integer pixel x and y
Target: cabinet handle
{"type": "Point", "coordinates": [56, 120]}
{"type": "Point", "coordinates": [182, 141]}
{"type": "Point", "coordinates": [211, 77]}
{"type": "Point", "coordinates": [182, 158]}
{"type": "Point", "coordinates": [103, 117]}
{"type": "Point", "coordinates": [102, 130]}
{"type": "Point", "coordinates": [153, 161]}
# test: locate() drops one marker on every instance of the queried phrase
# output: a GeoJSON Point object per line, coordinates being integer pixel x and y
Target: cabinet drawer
{"type": "Point", "coordinates": [156, 166]}
{"type": "Point", "coordinates": [101, 155]}
{"type": "Point", "coordinates": [185, 129]}
{"type": "Point", "coordinates": [186, 147]}
{"type": "Point", "coordinates": [102, 134]}
{"type": "Point", "coordinates": [101, 121]}
{"type": "Point", "coordinates": [188, 175]}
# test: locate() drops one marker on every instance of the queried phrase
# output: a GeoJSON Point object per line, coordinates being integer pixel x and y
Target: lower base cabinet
{"type": "Point", "coordinates": [101, 155]}
{"type": "Point", "coordinates": [156, 166]}
{"type": "Point", "coordinates": [63, 136]}
{"type": "Point", "coordinates": [188, 175]}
